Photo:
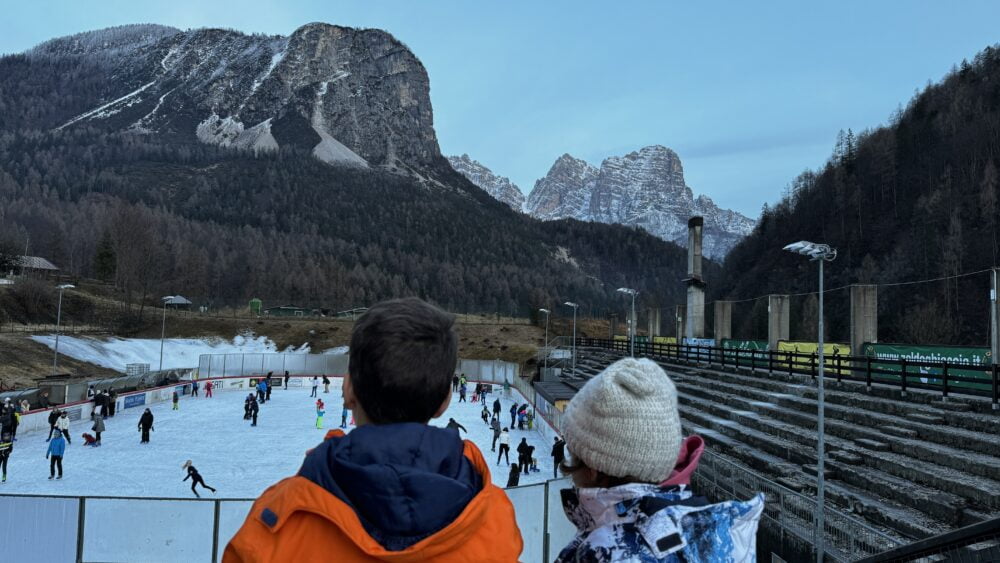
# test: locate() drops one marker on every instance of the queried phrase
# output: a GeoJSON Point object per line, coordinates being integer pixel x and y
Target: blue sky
{"type": "Point", "coordinates": [749, 94]}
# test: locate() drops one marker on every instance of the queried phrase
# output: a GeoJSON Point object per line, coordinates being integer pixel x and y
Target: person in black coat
{"type": "Point", "coordinates": [287, 377]}
{"type": "Point", "coordinates": [269, 383]}
{"type": "Point", "coordinates": [454, 383]}
{"type": "Point", "coordinates": [496, 407]}
{"type": "Point", "coordinates": [558, 455]}
{"type": "Point", "coordinates": [53, 417]}
{"type": "Point", "coordinates": [195, 477]}
{"type": "Point", "coordinates": [515, 475]}
{"type": "Point", "coordinates": [453, 424]}
{"type": "Point", "coordinates": [145, 425]}
{"type": "Point", "coordinates": [112, 399]}
{"type": "Point", "coordinates": [524, 455]}
{"type": "Point", "coordinates": [513, 415]}
{"type": "Point", "coordinates": [254, 409]}
{"type": "Point", "coordinates": [246, 406]}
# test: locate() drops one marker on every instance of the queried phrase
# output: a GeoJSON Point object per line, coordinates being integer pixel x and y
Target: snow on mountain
{"type": "Point", "coordinates": [350, 96]}
{"type": "Point", "coordinates": [500, 187]}
{"type": "Point", "coordinates": [645, 188]}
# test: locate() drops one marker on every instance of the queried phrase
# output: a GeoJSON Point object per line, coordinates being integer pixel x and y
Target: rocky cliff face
{"type": "Point", "coordinates": [500, 187]}
{"type": "Point", "coordinates": [351, 96]}
{"type": "Point", "coordinates": [645, 188]}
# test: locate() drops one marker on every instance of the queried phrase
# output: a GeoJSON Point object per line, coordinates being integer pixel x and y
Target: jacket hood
{"type": "Point", "coordinates": [404, 481]}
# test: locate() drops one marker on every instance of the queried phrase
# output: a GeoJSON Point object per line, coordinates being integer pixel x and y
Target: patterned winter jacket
{"type": "Point", "coordinates": [647, 523]}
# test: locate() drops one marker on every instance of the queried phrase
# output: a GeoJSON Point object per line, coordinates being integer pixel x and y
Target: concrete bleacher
{"type": "Point", "coordinates": [914, 466]}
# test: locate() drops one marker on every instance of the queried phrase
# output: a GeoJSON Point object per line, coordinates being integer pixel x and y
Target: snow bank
{"type": "Point", "coordinates": [115, 353]}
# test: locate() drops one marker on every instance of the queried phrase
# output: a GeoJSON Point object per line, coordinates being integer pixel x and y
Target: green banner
{"type": "Point", "coordinates": [968, 361]}
{"type": "Point", "coordinates": [744, 350]}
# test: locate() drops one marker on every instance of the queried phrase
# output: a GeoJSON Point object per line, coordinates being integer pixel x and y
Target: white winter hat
{"type": "Point", "coordinates": [624, 422]}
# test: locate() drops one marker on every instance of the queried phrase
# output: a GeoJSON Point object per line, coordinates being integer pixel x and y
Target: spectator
{"type": "Point", "coordinates": [112, 402]}
{"type": "Point", "coordinates": [424, 494]}
{"type": "Point", "coordinates": [43, 400]}
{"type": "Point", "coordinates": [623, 434]}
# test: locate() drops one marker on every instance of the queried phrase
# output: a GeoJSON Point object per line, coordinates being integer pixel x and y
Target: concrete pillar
{"type": "Point", "coordinates": [680, 321]}
{"type": "Point", "coordinates": [614, 326]}
{"type": "Point", "coordinates": [723, 321]}
{"type": "Point", "coordinates": [695, 325]}
{"type": "Point", "coordinates": [994, 316]}
{"type": "Point", "coordinates": [864, 317]}
{"type": "Point", "coordinates": [777, 320]}
{"type": "Point", "coordinates": [653, 322]}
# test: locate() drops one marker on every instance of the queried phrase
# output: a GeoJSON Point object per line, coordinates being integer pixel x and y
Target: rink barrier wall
{"type": "Point", "coordinates": [98, 528]}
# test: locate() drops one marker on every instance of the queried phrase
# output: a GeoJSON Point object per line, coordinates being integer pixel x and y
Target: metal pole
{"type": "Point", "coordinates": [821, 482]}
{"type": "Point", "coordinates": [632, 326]}
{"type": "Point", "coordinates": [163, 332]}
{"type": "Point", "coordinates": [55, 357]}
{"type": "Point", "coordinates": [546, 361]}
{"type": "Point", "coordinates": [574, 340]}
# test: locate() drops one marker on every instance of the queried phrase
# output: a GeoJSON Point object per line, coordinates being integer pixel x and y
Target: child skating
{"type": "Point", "coordinates": [57, 448]}
{"type": "Point", "coordinates": [195, 477]}
{"type": "Point", "coordinates": [319, 416]}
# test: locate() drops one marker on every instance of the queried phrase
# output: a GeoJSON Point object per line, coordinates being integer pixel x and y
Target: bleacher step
{"type": "Point", "coordinates": [872, 444]}
{"type": "Point", "coordinates": [952, 405]}
{"type": "Point", "coordinates": [828, 473]}
{"type": "Point", "coordinates": [900, 431]}
{"type": "Point", "coordinates": [925, 418]}
{"type": "Point", "coordinates": [846, 457]}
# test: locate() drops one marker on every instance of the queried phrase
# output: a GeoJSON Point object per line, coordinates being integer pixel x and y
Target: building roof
{"type": "Point", "coordinates": [177, 300]}
{"type": "Point", "coordinates": [35, 263]}
{"type": "Point", "coordinates": [554, 391]}
{"type": "Point", "coordinates": [286, 307]}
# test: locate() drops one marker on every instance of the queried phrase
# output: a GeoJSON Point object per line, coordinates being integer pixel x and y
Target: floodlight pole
{"type": "Point", "coordinates": [163, 328]}
{"type": "Point", "coordinates": [546, 360]}
{"type": "Point", "coordinates": [55, 356]}
{"type": "Point", "coordinates": [821, 454]}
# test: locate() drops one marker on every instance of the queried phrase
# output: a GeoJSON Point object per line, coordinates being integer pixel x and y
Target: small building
{"type": "Point", "coordinates": [288, 311]}
{"type": "Point", "coordinates": [557, 393]}
{"type": "Point", "coordinates": [177, 302]}
{"type": "Point", "coordinates": [36, 266]}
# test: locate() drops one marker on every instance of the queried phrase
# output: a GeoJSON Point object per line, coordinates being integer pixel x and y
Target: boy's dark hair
{"type": "Point", "coordinates": [402, 356]}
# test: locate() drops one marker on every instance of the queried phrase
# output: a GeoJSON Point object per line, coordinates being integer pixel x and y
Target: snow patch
{"type": "Point", "coordinates": [230, 132]}
{"type": "Point", "coordinates": [276, 59]}
{"type": "Point", "coordinates": [100, 111]}
{"type": "Point", "coordinates": [336, 351]}
{"type": "Point", "coordinates": [170, 53]}
{"type": "Point", "coordinates": [178, 353]}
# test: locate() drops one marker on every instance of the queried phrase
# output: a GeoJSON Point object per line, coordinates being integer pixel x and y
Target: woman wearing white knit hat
{"type": "Point", "coordinates": [623, 434]}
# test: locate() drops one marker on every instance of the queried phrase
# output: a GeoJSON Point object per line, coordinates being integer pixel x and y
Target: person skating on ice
{"type": "Point", "coordinates": [208, 389]}
{"type": "Point", "coordinates": [98, 428]}
{"type": "Point", "coordinates": [514, 477]}
{"type": "Point", "coordinates": [55, 453]}
{"type": "Point", "coordinates": [454, 383]}
{"type": "Point", "coordinates": [287, 377]}
{"type": "Point", "coordinates": [315, 385]}
{"type": "Point", "coordinates": [504, 446]}
{"type": "Point", "coordinates": [53, 419]}
{"type": "Point", "coordinates": [461, 392]}
{"type": "Point", "coordinates": [497, 407]}
{"type": "Point", "coordinates": [88, 439]}
{"type": "Point", "coordinates": [176, 400]}
{"type": "Point", "coordinates": [558, 455]}
{"type": "Point", "coordinates": [326, 384]}
{"type": "Point", "coordinates": [268, 384]}
{"type": "Point", "coordinates": [485, 415]}
{"type": "Point", "coordinates": [145, 425]}
{"type": "Point", "coordinates": [62, 426]}
{"type": "Point", "coordinates": [319, 416]}
{"type": "Point", "coordinates": [452, 423]}
{"type": "Point", "coordinates": [524, 455]}
{"type": "Point", "coordinates": [194, 388]}
{"type": "Point", "coordinates": [254, 409]}
{"type": "Point", "coordinates": [6, 448]}
{"type": "Point", "coordinates": [513, 415]}
{"type": "Point", "coordinates": [195, 477]}
{"type": "Point", "coordinates": [495, 425]}
{"type": "Point", "coordinates": [261, 391]}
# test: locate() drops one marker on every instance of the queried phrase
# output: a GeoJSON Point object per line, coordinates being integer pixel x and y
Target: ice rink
{"type": "Point", "coordinates": [235, 458]}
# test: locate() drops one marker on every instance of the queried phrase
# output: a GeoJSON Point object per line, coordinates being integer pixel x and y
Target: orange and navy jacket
{"type": "Point", "coordinates": [397, 492]}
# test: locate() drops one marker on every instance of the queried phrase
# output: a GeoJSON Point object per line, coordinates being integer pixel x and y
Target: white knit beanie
{"type": "Point", "coordinates": [624, 422]}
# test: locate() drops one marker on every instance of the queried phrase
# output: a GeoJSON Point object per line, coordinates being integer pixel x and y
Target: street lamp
{"type": "Point", "coordinates": [818, 253]}
{"type": "Point", "coordinates": [55, 357]}
{"type": "Point", "coordinates": [575, 307]}
{"type": "Point", "coordinates": [163, 327]}
{"type": "Point", "coordinates": [631, 323]}
{"type": "Point", "coordinates": [546, 312]}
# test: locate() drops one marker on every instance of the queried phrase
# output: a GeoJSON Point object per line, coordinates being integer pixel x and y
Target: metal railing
{"type": "Point", "coordinates": [789, 512]}
{"type": "Point", "coordinates": [902, 373]}
{"type": "Point", "coordinates": [976, 543]}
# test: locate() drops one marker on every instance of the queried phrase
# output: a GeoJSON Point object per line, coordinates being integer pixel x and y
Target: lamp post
{"type": "Point", "coordinates": [163, 327]}
{"type": "Point", "coordinates": [55, 356]}
{"type": "Point", "coordinates": [631, 322]}
{"type": "Point", "coordinates": [818, 253]}
{"type": "Point", "coordinates": [546, 312]}
{"type": "Point", "coordinates": [575, 307]}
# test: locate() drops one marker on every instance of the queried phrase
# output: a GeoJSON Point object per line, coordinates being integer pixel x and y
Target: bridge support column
{"type": "Point", "coordinates": [777, 320]}
{"type": "Point", "coordinates": [680, 321]}
{"type": "Point", "coordinates": [653, 321]}
{"type": "Point", "coordinates": [723, 321]}
{"type": "Point", "coordinates": [864, 317]}
{"type": "Point", "coordinates": [995, 319]}
{"type": "Point", "coordinates": [695, 326]}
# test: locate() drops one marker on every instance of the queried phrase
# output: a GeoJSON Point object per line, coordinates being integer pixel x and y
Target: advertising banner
{"type": "Point", "coordinates": [75, 413]}
{"type": "Point", "coordinates": [236, 383]}
{"type": "Point", "coordinates": [135, 400]}
{"type": "Point", "coordinates": [742, 350]}
{"type": "Point", "coordinates": [968, 361]}
{"type": "Point", "coordinates": [830, 352]}
{"type": "Point", "coordinates": [664, 340]}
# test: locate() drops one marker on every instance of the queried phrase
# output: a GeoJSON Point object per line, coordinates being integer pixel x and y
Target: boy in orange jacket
{"type": "Point", "coordinates": [395, 488]}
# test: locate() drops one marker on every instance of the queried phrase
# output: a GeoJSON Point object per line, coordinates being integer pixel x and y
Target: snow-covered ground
{"type": "Point", "coordinates": [235, 458]}
{"type": "Point", "coordinates": [115, 353]}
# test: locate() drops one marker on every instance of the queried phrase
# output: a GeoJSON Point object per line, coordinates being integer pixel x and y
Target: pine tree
{"type": "Point", "coordinates": [104, 257]}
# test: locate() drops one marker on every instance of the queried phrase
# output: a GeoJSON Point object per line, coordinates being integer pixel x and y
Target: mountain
{"type": "Point", "coordinates": [302, 169]}
{"type": "Point", "coordinates": [311, 90]}
{"type": "Point", "coordinates": [645, 188]}
{"type": "Point", "coordinates": [499, 187]}
{"type": "Point", "coordinates": [914, 199]}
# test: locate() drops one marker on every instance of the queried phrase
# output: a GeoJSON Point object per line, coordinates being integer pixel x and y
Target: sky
{"type": "Point", "coordinates": [749, 94]}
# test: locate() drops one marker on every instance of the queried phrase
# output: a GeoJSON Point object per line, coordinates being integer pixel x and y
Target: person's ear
{"type": "Point", "coordinates": [444, 405]}
{"type": "Point", "coordinates": [349, 400]}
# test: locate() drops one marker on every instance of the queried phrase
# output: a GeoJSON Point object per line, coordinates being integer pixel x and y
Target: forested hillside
{"type": "Point", "coordinates": [912, 200]}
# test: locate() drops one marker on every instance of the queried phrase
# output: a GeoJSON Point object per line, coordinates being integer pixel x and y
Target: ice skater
{"type": "Point", "coordinates": [343, 418]}
{"type": "Point", "coordinates": [495, 425]}
{"type": "Point", "coordinates": [514, 476]}
{"type": "Point", "coordinates": [287, 377]}
{"type": "Point", "coordinates": [461, 393]}
{"type": "Point", "coordinates": [326, 384]}
{"type": "Point", "coordinates": [261, 389]}
{"type": "Point", "coordinates": [452, 423]}
{"type": "Point", "coordinates": [62, 426]}
{"type": "Point", "coordinates": [254, 409]}
{"type": "Point", "coordinates": [53, 419]}
{"type": "Point", "coordinates": [194, 388]}
{"type": "Point", "coordinates": [454, 383]}
{"type": "Point", "coordinates": [558, 455]}
{"type": "Point", "coordinates": [208, 389]}
{"type": "Point", "coordinates": [98, 428]}
{"type": "Point", "coordinates": [246, 406]}
{"type": "Point", "coordinates": [315, 385]}
{"type": "Point", "coordinates": [145, 425]}
{"type": "Point", "coordinates": [268, 384]}
{"type": "Point", "coordinates": [57, 448]}
{"type": "Point", "coordinates": [195, 477]}
{"type": "Point", "coordinates": [513, 415]}
{"type": "Point", "coordinates": [319, 416]}
{"type": "Point", "coordinates": [176, 399]}
{"type": "Point", "coordinates": [504, 446]}
{"type": "Point", "coordinates": [6, 448]}
{"type": "Point", "coordinates": [497, 407]}
{"type": "Point", "coordinates": [485, 415]}
{"type": "Point", "coordinates": [88, 439]}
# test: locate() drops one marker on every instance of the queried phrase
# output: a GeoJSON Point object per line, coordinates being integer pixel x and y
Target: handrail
{"type": "Point", "coordinates": [902, 373]}
{"type": "Point", "coordinates": [941, 543]}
